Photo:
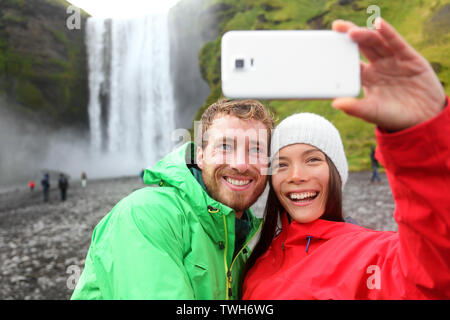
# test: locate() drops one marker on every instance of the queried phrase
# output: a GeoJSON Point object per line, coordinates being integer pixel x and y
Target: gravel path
{"type": "Point", "coordinates": [43, 245]}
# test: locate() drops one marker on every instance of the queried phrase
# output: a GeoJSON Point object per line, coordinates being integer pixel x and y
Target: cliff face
{"type": "Point", "coordinates": [43, 64]}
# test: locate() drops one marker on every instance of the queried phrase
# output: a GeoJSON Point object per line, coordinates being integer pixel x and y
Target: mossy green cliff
{"type": "Point", "coordinates": [424, 23]}
{"type": "Point", "coordinates": [43, 64]}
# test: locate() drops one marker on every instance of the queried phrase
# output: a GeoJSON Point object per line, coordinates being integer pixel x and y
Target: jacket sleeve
{"type": "Point", "coordinates": [417, 162]}
{"type": "Point", "coordinates": [137, 252]}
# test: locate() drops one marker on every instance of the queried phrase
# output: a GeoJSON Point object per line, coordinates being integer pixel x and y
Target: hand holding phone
{"type": "Point", "coordinates": [400, 87]}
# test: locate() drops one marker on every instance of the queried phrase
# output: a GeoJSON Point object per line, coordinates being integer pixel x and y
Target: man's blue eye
{"type": "Point", "coordinates": [226, 147]}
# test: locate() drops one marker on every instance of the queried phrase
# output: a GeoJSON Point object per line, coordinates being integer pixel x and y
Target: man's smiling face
{"type": "Point", "coordinates": [234, 161]}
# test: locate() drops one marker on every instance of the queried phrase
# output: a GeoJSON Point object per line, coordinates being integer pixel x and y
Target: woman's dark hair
{"type": "Point", "coordinates": [274, 211]}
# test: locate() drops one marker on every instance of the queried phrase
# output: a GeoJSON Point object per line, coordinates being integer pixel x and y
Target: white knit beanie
{"type": "Point", "coordinates": [316, 131]}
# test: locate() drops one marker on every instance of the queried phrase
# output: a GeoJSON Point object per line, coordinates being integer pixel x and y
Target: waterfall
{"type": "Point", "coordinates": [131, 105]}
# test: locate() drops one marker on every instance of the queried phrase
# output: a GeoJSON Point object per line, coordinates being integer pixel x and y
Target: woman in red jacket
{"type": "Point", "coordinates": [316, 255]}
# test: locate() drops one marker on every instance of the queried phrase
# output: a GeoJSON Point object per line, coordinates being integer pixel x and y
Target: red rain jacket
{"type": "Point", "coordinates": [337, 260]}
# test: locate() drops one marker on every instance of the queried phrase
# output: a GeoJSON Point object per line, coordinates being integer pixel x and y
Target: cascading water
{"type": "Point", "coordinates": [131, 106]}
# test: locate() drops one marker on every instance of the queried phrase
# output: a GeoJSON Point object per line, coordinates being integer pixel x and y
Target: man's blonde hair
{"type": "Point", "coordinates": [242, 109]}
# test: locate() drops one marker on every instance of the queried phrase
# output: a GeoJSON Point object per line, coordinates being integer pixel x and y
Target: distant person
{"type": "Point", "coordinates": [45, 182]}
{"type": "Point", "coordinates": [141, 175]}
{"type": "Point", "coordinates": [83, 179]}
{"type": "Point", "coordinates": [31, 185]}
{"type": "Point", "coordinates": [63, 184]}
{"type": "Point", "coordinates": [374, 162]}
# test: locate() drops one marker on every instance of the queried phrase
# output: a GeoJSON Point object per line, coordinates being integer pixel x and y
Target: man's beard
{"type": "Point", "coordinates": [238, 201]}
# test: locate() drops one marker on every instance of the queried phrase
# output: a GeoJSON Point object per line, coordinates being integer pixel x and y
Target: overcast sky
{"type": "Point", "coordinates": [123, 8]}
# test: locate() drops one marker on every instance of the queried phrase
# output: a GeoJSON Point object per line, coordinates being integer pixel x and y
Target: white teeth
{"type": "Point", "coordinates": [238, 182]}
{"type": "Point", "coordinates": [301, 196]}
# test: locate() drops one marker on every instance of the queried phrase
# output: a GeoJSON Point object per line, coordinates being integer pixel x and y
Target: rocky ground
{"type": "Point", "coordinates": [43, 245]}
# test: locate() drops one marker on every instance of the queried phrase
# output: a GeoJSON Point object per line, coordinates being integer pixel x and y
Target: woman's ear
{"type": "Point", "coordinates": [199, 157]}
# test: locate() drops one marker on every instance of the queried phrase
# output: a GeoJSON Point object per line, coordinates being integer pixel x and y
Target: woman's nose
{"type": "Point", "coordinates": [298, 175]}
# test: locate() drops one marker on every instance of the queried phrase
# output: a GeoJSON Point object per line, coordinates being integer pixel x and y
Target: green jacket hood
{"type": "Point", "coordinates": [173, 170]}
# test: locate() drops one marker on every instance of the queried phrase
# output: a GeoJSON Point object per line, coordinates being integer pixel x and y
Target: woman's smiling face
{"type": "Point", "coordinates": [300, 180]}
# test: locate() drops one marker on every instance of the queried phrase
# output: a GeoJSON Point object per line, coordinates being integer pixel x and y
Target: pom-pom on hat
{"type": "Point", "coordinates": [316, 131]}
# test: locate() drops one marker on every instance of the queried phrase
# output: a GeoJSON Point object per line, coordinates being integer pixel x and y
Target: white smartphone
{"type": "Point", "coordinates": [289, 64]}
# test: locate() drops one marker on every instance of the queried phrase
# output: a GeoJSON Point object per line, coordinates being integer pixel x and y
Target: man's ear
{"type": "Point", "coordinates": [199, 157]}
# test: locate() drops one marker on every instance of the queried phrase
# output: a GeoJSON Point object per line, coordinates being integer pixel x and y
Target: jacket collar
{"type": "Point", "coordinates": [317, 229]}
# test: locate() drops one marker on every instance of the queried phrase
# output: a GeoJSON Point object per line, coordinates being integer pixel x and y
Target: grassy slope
{"type": "Point", "coordinates": [424, 24]}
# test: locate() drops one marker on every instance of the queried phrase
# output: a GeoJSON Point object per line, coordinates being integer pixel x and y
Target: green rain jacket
{"type": "Point", "coordinates": [168, 242]}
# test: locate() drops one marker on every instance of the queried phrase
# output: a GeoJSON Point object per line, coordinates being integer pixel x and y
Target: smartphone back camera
{"type": "Point", "coordinates": [239, 63]}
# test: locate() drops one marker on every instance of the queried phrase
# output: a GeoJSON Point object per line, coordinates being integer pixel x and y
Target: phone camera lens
{"type": "Point", "coordinates": [239, 63]}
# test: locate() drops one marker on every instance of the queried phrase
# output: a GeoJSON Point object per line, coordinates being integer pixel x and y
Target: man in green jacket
{"type": "Point", "coordinates": [187, 238]}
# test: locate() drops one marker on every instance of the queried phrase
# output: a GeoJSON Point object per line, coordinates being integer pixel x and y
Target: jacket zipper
{"type": "Point", "coordinates": [228, 271]}
{"type": "Point", "coordinates": [225, 256]}
{"type": "Point", "coordinates": [307, 245]}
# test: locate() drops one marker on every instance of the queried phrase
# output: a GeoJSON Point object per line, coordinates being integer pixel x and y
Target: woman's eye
{"type": "Point", "coordinates": [280, 165]}
{"type": "Point", "coordinates": [314, 160]}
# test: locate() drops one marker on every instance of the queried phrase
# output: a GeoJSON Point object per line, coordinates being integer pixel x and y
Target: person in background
{"type": "Point", "coordinates": [45, 182]}
{"type": "Point", "coordinates": [63, 185]}
{"type": "Point", "coordinates": [374, 163]}
{"type": "Point", "coordinates": [83, 179]}
{"type": "Point", "coordinates": [31, 185]}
